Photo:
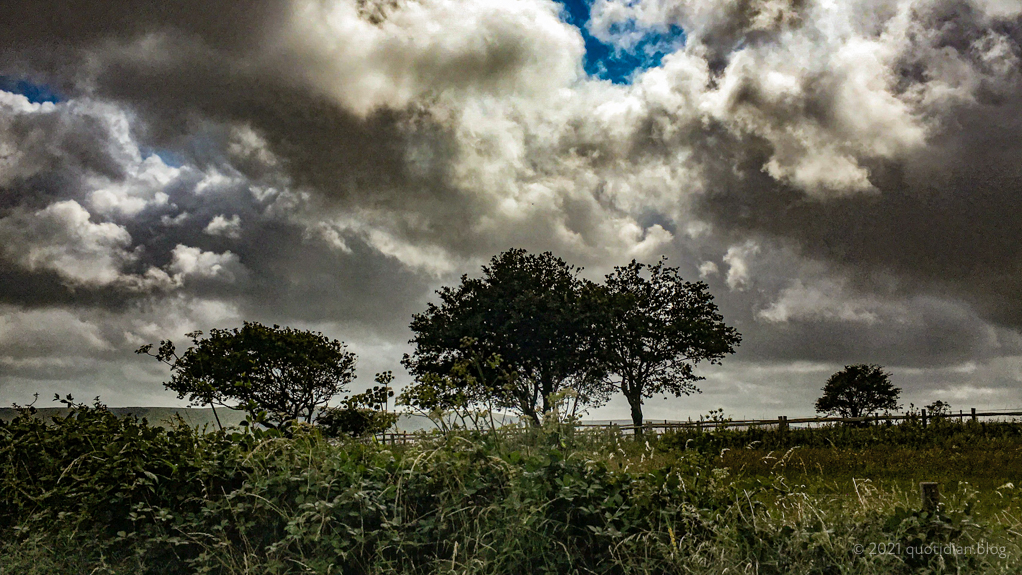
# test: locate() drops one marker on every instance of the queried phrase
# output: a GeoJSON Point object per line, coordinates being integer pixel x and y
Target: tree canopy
{"type": "Point", "coordinates": [528, 311]}
{"type": "Point", "coordinates": [858, 390]}
{"type": "Point", "coordinates": [278, 375]}
{"type": "Point", "coordinates": [654, 328]}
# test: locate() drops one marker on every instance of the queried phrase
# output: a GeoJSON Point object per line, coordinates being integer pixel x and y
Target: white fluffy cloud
{"type": "Point", "coordinates": [142, 188]}
{"type": "Point", "coordinates": [410, 50]}
{"type": "Point", "coordinates": [63, 238]}
{"type": "Point", "coordinates": [221, 226]}
{"type": "Point", "coordinates": [738, 260]}
{"type": "Point", "coordinates": [193, 263]}
{"type": "Point", "coordinates": [824, 300]}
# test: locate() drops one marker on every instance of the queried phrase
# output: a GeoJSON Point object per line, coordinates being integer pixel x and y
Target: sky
{"type": "Point", "coordinates": [845, 175]}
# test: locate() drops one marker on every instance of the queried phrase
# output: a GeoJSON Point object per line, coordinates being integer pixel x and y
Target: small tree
{"type": "Point", "coordinates": [858, 390]}
{"type": "Point", "coordinates": [939, 408]}
{"type": "Point", "coordinates": [278, 375]}
{"type": "Point", "coordinates": [653, 331]}
{"type": "Point", "coordinates": [528, 311]}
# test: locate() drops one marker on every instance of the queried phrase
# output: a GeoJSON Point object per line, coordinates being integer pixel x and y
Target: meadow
{"type": "Point", "coordinates": [91, 492]}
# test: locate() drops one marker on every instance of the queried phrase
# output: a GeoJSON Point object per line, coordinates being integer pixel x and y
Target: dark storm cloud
{"type": "Point", "coordinates": [945, 217]}
{"type": "Point", "coordinates": [844, 175]}
{"type": "Point", "coordinates": [51, 32]}
{"type": "Point", "coordinates": [320, 144]}
{"type": "Point", "coordinates": [48, 152]}
{"type": "Point", "coordinates": [354, 122]}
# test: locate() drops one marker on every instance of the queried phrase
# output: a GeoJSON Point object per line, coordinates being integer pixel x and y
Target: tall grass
{"type": "Point", "coordinates": [114, 495]}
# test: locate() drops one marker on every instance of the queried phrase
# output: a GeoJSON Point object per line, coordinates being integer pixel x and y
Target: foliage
{"type": "Point", "coordinates": [908, 435]}
{"type": "Point", "coordinates": [463, 397]}
{"type": "Point", "coordinates": [528, 310]}
{"type": "Point", "coordinates": [858, 390]}
{"type": "Point", "coordinates": [360, 415]}
{"type": "Point", "coordinates": [278, 375]}
{"type": "Point", "coordinates": [939, 408]}
{"type": "Point", "coordinates": [91, 470]}
{"type": "Point", "coordinates": [653, 331]}
{"type": "Point", "coordinates": [536, 501]}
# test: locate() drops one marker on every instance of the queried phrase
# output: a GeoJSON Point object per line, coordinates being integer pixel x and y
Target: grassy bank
{"type": "Point", "coordinates": [93, 493]}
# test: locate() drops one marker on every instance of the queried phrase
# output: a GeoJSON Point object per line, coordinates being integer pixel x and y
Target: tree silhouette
{"type": "Point", "coordinates": [278, 375]}
{"type": "Point", "coordinates": [526, 310]}
{"type": "Point", "coordinates": [858, 390]}
{"type": "Point", "coordinates": [653, 330]}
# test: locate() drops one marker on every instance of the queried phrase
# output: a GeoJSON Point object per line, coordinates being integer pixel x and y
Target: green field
{"type": "Point", "coordinates": [95, 493]}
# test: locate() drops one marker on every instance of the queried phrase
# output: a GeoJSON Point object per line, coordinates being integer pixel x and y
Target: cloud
{"type": "Point", "coordinates": [42, 333]}
{"type": "Point", "coordinates": [141, 189]}
{"type": "Point", "coordinates": [194, 263]}
{"type": "Point", "coordinates": [221, 226]}
{"type": "Point", "coordinates": [884, 153]}
{"type": "Point", "coordinates": [63, 239]}
{"type": "Point", "coordinates": [824, 301]}
{"type": "Point", "coordinates": [737, 259]}
{"type": "Point", "coordinates": [853, 165]}
{"type": "Point", "coordinates": [707, 269]}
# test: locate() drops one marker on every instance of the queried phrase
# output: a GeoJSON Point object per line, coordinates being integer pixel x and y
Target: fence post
{"type": "Point", "coordinates": [974, 415]}
{"type": "Point", "coordinates": [782, 423]}
{"type": "Point", "coordinates": [930, 495]}
{"type": "Point", "coordinates": [923, 412]}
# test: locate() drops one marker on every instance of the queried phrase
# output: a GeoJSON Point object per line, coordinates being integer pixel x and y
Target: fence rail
{"type": "Point", "coordinates": [782, 422]}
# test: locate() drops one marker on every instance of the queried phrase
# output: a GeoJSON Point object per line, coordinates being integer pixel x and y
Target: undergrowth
{"type": "Point", "coordinates": [94, 493]}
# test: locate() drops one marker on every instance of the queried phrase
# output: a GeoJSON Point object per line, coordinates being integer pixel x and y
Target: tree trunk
{"type": "Point", "coordinates": [546, 390]}
{"type": "Point", "coordinates": [215, 416]}
{"type": "Point", "coordinates": [532, 415]}
{"type": "Point", "coordinates": [636, 404]}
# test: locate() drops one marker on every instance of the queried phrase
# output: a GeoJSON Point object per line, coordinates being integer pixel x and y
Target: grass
{"type": "Point", "coordinates": [93, 493]}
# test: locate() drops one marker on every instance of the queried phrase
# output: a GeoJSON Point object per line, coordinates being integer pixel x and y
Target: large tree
{"type": "Point", "coordinates": [278, 375]}
{"type": "Point", "coordinates": [527, 310]}
{"type": "Point", "coordinates": [653, 328]}
{"type": "Point", "coordinates": [858, 390]}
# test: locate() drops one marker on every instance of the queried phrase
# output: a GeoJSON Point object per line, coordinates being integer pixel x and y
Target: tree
{"type": "Point", "coordinates": [939, 408]}
{"type": "Point", "coordinates": [278, 375]}
{"type": "Point", "coordinates": [858, 390]}
{"type": "Point", "coordinates": [653, 330]}
{"type": "Point", "coordinates": [526, 310]}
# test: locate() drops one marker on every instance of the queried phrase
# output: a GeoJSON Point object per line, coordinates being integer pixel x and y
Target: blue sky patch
{"type": "Point", "coordinates": [608, 62]}
{"type": "Point", "coordinates": [169, 158]}
{"type": "Point", "coordinates": [36, 93]}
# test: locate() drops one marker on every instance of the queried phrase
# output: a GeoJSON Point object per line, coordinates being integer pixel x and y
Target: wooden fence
{"type": "Point", "coordinates": [782, 422]}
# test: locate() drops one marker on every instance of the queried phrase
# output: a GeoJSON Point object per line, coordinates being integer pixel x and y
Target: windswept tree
{"type": "Point", "coordinates": [526, 310]}
{"type": "Point", "coordinates": [858, 390]}
{"type": "Point", "coordinates": [278, 375]}
{"type": "Point", "coordinates": [653, 328]}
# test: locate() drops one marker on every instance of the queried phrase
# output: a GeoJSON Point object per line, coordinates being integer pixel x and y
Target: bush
{"type": "Point", "coordinates": [360, 415]}
{"type": "Point", "coordinates": [91, 492]}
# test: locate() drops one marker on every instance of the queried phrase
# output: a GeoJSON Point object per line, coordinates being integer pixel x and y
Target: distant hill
{"type": "Point", "coordinates": [203, 417]}
{"type": "Point", "coordinates": [198, 416]}
{"type": "Point", "coordinates": [193, 416]}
